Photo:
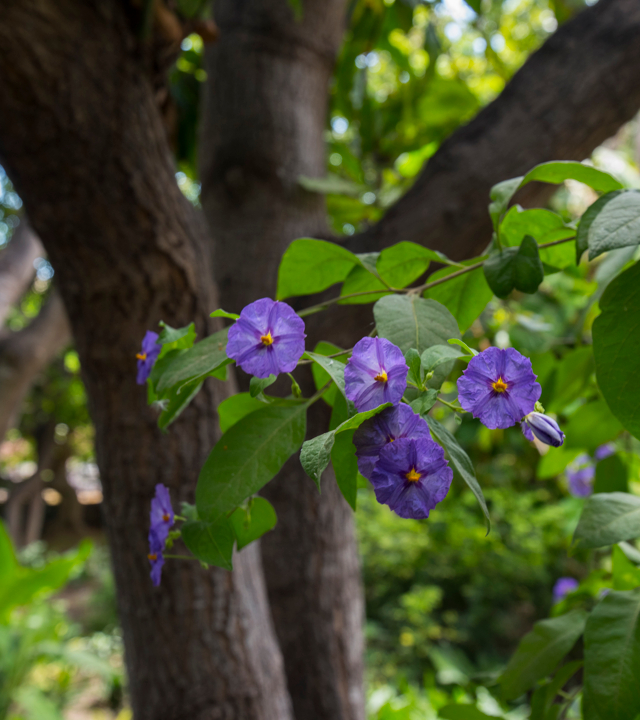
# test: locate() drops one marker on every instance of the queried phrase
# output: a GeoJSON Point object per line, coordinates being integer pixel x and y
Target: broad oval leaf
{"type": "Point", "coordinates": [540, 651]}
{"type": "Point", "coordinates": [589, 215]}
{"type": "Point", "coordinates": [612, 655]}
{"type": "Point", "coordinates": [197, 362]}
{"type": "Point", "coordinates": [616, 347]}
{"type": "Point", "coordinates": [212, 543]}
{"type": "Point", "coordinates": [410, 321]}
{"type": "Point", "coordinates": [234, 408]}
{"type": "Point", "coordinates": [616, 225]}
{"type": "Point", "coordinates": [558, 171]}
{"type": "Point", "coordinates": [253, 522]}
{"type": "Point", "coordinates": [247, 456]}
{"type": "Point", "coordinates": [309, 266]}
{"type": "Point", "coordinates": [608, 518]}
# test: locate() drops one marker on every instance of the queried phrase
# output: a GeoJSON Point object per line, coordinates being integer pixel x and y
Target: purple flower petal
{"type": "Point", "coordinates": [563, 587]}
{"type": "Point", "coordinates": [377, 432]}
{"type": "Point", "coordinates": [267, 339]}
{"type": "Point", "coordinates": [498, 387]}
{"type": "Point", "coordinates": [147, 356]}
{"type": "Point", "coordinates": [375, 374]}
{"type": "Point", "coordinates": [162, 515]}
{"type": "Point", "coordinates": [546, 429]}
{"type": "Point", "coordinates": [155, 556]}
{"type": "Point", "coordinates": [604, 451]}
{"type": "Point", "coordinates": [580, 476]}
{"type": "Point", "coordinates": [411, 476]}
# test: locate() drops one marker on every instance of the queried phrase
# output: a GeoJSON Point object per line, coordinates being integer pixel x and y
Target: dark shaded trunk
{"type": "Point", "coordinates": [262, 128]}
{"type": "Point", "coordinates": [81, 139]}
{"type": "Point", "coordinates": [570, 96]}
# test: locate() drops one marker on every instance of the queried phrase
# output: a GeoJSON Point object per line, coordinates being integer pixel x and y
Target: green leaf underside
{"type": "Point", "coordinates": [257, 385]}
{"type": "Point", "coordinates": [320, 376]}
{"type": "Point", "coordinates": [461, 463]}
{"type": "Point", "coordinates": [424, 402]}
{"type": "Point", "coordinates": [212, 543]}
{"type": "Point", "coordinates": [412, 356]}
{"type": "Point", "coordinates": [250, 524]}
{"type": "Point", "coordinates": [589, 215]}
{"type": "Point", "coordinates": [169, 335]}
{"type": "Point", "coordinates": [465, 296]}
{"type": "Point", "coordinates": [179, 399]}
{"type": "Point", "coordinates": [197, 362]}
{"type": "Point", "coordinates": [617, 225]}
{"type": "Point", "coordinates": [334, 368]}
{"type": "Point", "coordinates": [316, 453]}
{"type": "Point", "coordinates": [464, 346]}
{"type": "Point", "coordinates": [409, 321]}
{"type": "Point", "coordinates": [247, 456]}
{"type": "Point", "coordinates": [612, 655]}
{"type": "Point", "coordinates": [608, 518]}
{"type": "Point", "coordinates": [309, 266]}
{"type": "Point", "coordinates": [540, 651]}
{"type": "Point", "coordinates": [616, 347]}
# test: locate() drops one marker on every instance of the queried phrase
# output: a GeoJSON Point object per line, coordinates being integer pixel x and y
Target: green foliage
{"type": "Point", "coordinates": [607, 519]}
{"type": "Point", "coordinates": [465, 296]}
{"type": "Point", "coordinates": [519, 268]}
{"type": "Point", "coordinates": [253, 521]}
{"type": "Point", "coordinates": [616, 225]}
{"type": "Point", "coordinates": [210, 542]}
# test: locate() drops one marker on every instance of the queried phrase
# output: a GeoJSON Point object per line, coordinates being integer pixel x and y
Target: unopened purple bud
{"type": "Point", "coordinates": [544, 428]}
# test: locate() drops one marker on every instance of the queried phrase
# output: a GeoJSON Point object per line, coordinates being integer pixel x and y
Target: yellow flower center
{"type": "Point", "coordinates": [141, 356]}
{"type": "Point", "coordinates": [266, 339]}
{"type": "Point", "coordinates": [381, 376]}
{"type": "Point", "coordinates": [499, 385]}
{"type": "Point", "coordinates": [152, 556]}
{"type": "Point", "coordinates": [413, 475]}
{"type": "Point", "coordinates": [166, 517]}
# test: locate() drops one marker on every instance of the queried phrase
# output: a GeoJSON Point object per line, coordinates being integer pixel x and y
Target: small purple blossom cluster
{"type": "Point", "coordinates": [563, 587]}
{"type": "Point", "coordinates": [581, 472]}
{"type": "Point", "coordinates": [162, 519]}
{"type": "Point", "coordinates": [500, 389]}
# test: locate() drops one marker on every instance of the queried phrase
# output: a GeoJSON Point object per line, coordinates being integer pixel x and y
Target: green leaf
{"type": "Point", "coordinates": [611, 475]}
{"type": "Point", "coordinates": [361, 280]}
{"type": "Point", "coordinates": [403, 263]}
{"type": "Point", "coordinates": [589, 215]}
{"type": "Point", "coordinates": [436, 355]}
{"type": "Point", "coordinates": [424, 402]}
{"type": "Point", "coordinates": [224, 314]}
{"type": "Point", "coordinates": [461, 463]}
{"type": "Point", "coordinates": [196, 362]}
{"type": "Point", "coordinates": [463, 711]}
{"type": "Point", "coordinates": [253, 522]}
{"type": "Point", "coordinates": [555, 461]}
{"type": "Point", "coordinates": [626, 575]}
{"type": "Point", "coordinates": [345, 466]}
{"type": "Point", "coordinates": [257, 385]}
{"type": "Point", "coordinates": [8, 561]}
{"type": "Point", "coordinates": [499, 271]}
{"type": "Point", "coordinates": [617, 225]}
{"type": "Point", "coordinates": [212, 543]}
{"type": "Point", "coordinates": [501, 195]}
{"type": "Point", "coordinates": [412, 356]}
{"type": "Point", "coordinates": [608, 518]}
{"type": "Point", "coordinates": [320, 376]}
{"type": "Point", "coordinates": [612, 655]}
{"type": "Point", "coordinates": [518, 268]}
{"type": "Point", "coordinates": [175, 402]}
{"type": "Point", "coordinates": [334, 368]}
{"type": "Point", "coordinates": [409, 321]}
{"type": "Point", "coordinates": [558, 171]}
{"type": "Point", "coordinates": [466, 296]}
{"type": "Point", "coordinates": [247, 456]}
{"type": "Point", "coordinates": [573, 373]}
{"type": "Point", "coordinates": [464, 346]}
{"type": "Point", "coordinates": [309, 266]}
{"type": "Point", "coordinates": [177, 338]}
{"type": "Point", "coordinates": [616, 347]}
{"type": "Point", "coordinates": [233, 409]}
{"type": "Point", "coordinates": [591, 425]}
{"type": "Point", "coordinates": [540, 651]}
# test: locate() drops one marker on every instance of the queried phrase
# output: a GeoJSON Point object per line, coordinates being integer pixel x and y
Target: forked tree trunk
{"type": "Point", "coordinates": [262, 127]}
{"type": "Point", "coordinates": [83, 143]}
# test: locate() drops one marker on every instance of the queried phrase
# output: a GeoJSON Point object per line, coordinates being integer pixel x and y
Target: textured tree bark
{"type": "Point", "coordinates": [570, 96]}
{"type": "Point", "coordinates": [81, 139]}
{"type": "Point", "coordinates": [262, 127]}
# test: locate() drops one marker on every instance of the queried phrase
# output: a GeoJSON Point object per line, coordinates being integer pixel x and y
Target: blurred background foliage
{"type": "Point", "coordinates": [446, 606]}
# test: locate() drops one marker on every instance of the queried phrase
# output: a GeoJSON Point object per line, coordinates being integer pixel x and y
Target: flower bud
{"type": "Point", "coordinates": [544, 428]}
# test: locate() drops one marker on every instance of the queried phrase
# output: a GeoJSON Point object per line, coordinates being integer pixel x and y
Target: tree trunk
{"type": "Point", "coordinates": [569, 96]}
{"type": "Point", "coordinates": [263, 125]}
{"type": "Point", "coordinates": [82, 141]}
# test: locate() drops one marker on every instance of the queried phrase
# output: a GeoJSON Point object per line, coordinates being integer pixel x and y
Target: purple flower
{"type": "Point", "coordinates": [563, 587]}
{"type": "Point", "coordinates": [498, 387]}
{"type": "Point", "coordinates": [162, 516]}
{"type": "Point", "coordinates": [411, 476]}
{"type": "Point", "coordinates": [147, 356]}
{"type": "Point", "coordinates": [377, 432]}
{"type": "Point", "coordinates": [604, 451]}
{"type": "Point", "coordinates": [526, 431]}
{"type": "Point", "coordinates": [267, 338]}
{"type": "Point", "coordinates": [375, 374]}
{"type": "Point", "coordinates": [580, 474]}
{"type": "Point", "coordinates": [544, 428]}
{"type": "Point", "coordinates": [156, 558]}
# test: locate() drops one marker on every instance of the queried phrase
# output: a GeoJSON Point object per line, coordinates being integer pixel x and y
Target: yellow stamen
{"type": "Point", "coordinates": [141, 356]}
{"type": "Point", "coordinates": [166, 517]}
{"type": "Point", "coordinates": [152, 556]}
{"type": "Point", "coordinates": [413, 475]}
{"type": "Point", "coordinates": [381, 376]}
{"type": "Point", "coordinates": [266, 339]}
{"type": "Point", "coordinates": [499, 385]}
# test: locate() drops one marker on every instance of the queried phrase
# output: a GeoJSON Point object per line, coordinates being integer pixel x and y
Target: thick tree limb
{"type": "Point", "coordinates": [16, 266]}
{"type": "Point", "coordinates": [570, 96]}
{"type": "Point", "coordinates": [83, 142]}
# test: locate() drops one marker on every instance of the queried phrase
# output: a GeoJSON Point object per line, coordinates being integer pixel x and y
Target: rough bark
{"type": "Point", "coordinates": [569, 96]}
{"type": "Point", "coordinates": [263, 124]}
{"type": "Point", "coordinates": [25, 353]}
{"type": "Point", "coordinates": [16, 266]}
{"type": "Point", "coordinates": [82, 141]}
